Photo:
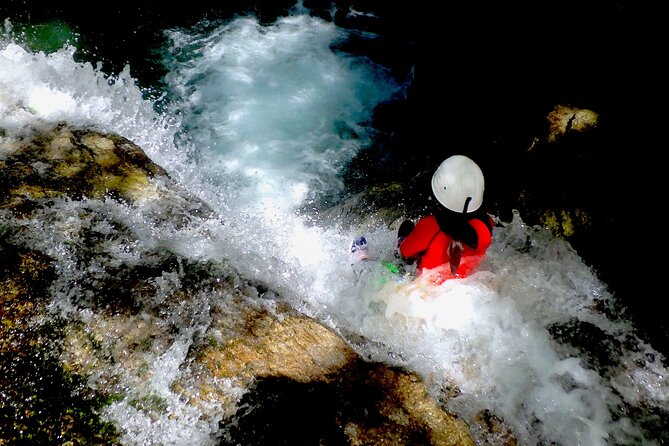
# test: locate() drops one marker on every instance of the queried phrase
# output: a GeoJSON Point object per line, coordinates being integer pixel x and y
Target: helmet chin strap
{"type": "Point", "coordinates": [464, 210]}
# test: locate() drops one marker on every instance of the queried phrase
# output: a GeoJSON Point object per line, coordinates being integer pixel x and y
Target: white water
{"type": "Point", "coordinates": [265, 123]}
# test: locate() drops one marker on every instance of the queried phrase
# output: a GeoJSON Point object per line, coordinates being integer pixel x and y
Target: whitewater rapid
{"type": "Point", "coordinates": [261, 119]}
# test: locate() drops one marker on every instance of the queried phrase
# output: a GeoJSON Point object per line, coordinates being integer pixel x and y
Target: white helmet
{"type": "Point", "coordinates": [458, 184]}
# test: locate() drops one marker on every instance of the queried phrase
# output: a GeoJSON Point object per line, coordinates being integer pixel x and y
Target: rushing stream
{"type": "Point", "coordinates": [259, 120]}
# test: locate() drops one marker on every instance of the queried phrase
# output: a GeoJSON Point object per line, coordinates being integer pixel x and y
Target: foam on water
{"type": "Point", "coordinates": [268, 117]}
{"type": "Point", "coordinates": [273, 109]}
{"type": "Point", "coordinates": [489, 334]}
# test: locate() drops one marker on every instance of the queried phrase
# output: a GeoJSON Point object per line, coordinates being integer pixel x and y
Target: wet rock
{"type": "Point", "coordinates": [302, 384]}
{"type": "Point", "coordinates": [95, 314]}
{"type": "Point", "coordinates": [379, 205]}
{"type": "Point", "coordinates": [564, 119]}
{"type": "Point", "coordinates": [362, 404]}
{"type": "Point", "coordinates": [493, 429]}
{"type": "Point", "coordinates": [41, 401]}
{"type": "Point", "coordinates": [79, 163]}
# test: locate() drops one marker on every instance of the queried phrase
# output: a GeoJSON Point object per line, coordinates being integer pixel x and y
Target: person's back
{"type": "Point", "coordinates": [452, 241]}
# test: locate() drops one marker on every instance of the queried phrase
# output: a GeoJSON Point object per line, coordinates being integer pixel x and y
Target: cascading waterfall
{"type": "Point", "coordinates": [261, 120]}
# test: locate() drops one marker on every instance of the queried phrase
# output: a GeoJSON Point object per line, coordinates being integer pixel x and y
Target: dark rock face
{"type": "Point", "coordinates": [62, 247]}
{"type": "Point", "coordinates": [379, 406]}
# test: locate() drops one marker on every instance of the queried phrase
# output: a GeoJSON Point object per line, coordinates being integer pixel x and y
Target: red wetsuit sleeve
{"type": "Point", "coordinates": [483, 235]}
{"type": "Point", "coordinates": [419, 239]}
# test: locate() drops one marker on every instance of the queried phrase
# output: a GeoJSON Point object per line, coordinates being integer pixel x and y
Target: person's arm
{"type": "Point", "coordinates": [419, 239]}
{"type": "Point", "coordinates": [481, 233]}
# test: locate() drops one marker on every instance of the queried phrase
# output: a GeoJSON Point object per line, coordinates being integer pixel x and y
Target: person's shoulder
{"type": "Point", "coordinates": [429, 219]}
{"type": "Point", "coordinates": [482, 215]}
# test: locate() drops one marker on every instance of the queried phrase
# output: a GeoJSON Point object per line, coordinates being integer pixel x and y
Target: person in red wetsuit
{"type": "Point", "coordinates": [452, 241]}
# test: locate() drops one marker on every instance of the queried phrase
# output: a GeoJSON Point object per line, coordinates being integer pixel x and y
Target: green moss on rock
{"type": "Point", "coordinates": [42, 404]}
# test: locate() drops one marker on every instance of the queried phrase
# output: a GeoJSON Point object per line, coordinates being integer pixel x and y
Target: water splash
{"type": "Point", "coordinates": [273, 109]}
